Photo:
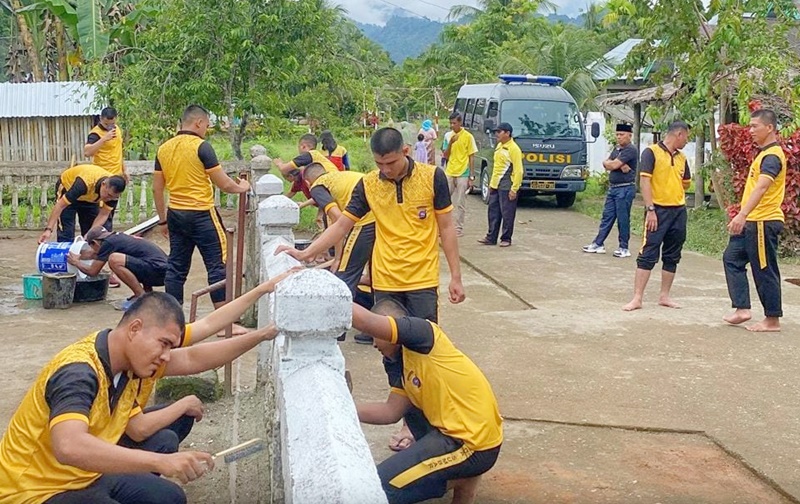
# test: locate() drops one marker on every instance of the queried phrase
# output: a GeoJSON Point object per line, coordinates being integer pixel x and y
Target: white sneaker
{"type": "Point", "coordinates": [621, 252]}
{"type": "Point", "coordinates": [594, 248]}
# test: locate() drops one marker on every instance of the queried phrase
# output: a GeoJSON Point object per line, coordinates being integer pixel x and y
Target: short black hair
{"type": "Point", "coordinates": [117, 182]}
{"type": "Point", "coordinates": [390, 308]}
{"type": "Point", "coordinates": [108, 113]}
{"type": "Point", "coordinates": [314, 170]}
{"type": "Point", "coordinates": [385, 141]}
{"type": "Point", "coordinates": [456, 116]}
{"type": "Point", "coordinates": [157, 308]}
{"type": "Point", "coordinates": [193, 112]}
{"type": "Point", "coordinates": [676, 126]}
{"type": "Point", "coordinates": [420, 137]}
{"type": "Point", "coordinates": [766, 116]}
{"type": "Point", "coordinates": [327, 141]}
{"type": "Point", "coordinates": [309, 140]}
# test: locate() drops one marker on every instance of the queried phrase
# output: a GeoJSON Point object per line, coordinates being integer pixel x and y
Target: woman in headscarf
{"type": "Point", "coordinates": [429, 135]}
{"type": "Point", "coordinates": [337, 154]}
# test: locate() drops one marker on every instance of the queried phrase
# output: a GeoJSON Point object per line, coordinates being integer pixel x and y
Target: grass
{"type": "Point", "coordinates": [706, 231]}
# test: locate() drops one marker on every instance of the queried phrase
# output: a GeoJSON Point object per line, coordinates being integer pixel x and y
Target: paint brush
{"type": "Point", "coordinates": [240, 451]}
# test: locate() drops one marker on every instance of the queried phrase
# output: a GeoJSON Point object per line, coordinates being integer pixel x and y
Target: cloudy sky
{"type": "Point", "coordinates": [376, 11]}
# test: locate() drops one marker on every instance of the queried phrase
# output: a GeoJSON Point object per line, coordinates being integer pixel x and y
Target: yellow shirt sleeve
{"type": "Point", "coordinates": [517, 169]}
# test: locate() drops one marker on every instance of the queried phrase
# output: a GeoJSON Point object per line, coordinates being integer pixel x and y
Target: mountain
{"type": "Point", "coordinates": [408, 37]}
{"type": "Point", "coordinates": [403, 37]}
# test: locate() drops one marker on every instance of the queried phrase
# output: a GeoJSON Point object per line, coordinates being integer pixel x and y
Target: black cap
{"type": "Point", "coordinates": [624, 128]}
{"type": "Point", "coordinates": [504, 126]}
{"type": "Point", "coordinates": [97, 233]}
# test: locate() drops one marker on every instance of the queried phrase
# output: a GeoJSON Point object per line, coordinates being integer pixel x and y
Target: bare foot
{"type": "Point", "coordinates": [633, 305]}
{"type": "Point", "coordinates": [668, 302]}
{"type": "Point", "coordinates": [737, 317]}
{"type": "Point", "coordinates": [402, 440]}
{"type": "Point", "coordinates": [765, 325]}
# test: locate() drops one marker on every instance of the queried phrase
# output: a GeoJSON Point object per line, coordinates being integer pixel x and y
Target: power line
{"type": "Point", "coordinates": [387, 2]}
{"type": "Point", "coordinates": [433, 4]}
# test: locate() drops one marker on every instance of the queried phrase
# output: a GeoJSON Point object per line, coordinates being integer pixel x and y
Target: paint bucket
{"type": "Point", "coordinates": [51, 257]}
{"type": "Point", "coordinates": [92, 288]}
{"type": "Point", "coordinates": [302, 244]}
{"type": "Point", "coordinates": [32, 286]}
{"type": "Point", "coordinates": [58, 290]}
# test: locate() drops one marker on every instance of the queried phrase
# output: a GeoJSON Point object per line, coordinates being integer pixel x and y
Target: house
{"type": "Point", "coordinates": [45, 121]}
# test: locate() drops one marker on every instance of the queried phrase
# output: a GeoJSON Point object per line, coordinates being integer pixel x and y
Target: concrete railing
{"type": "Point", "coordinates": [319, 453]}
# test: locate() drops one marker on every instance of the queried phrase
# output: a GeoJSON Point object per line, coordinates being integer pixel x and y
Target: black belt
{"type": "Point", "coordinates": [621, 185]}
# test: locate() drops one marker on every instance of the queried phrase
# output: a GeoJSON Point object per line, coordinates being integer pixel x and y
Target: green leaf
{"type": "Point", "coordinates": [92, 36]}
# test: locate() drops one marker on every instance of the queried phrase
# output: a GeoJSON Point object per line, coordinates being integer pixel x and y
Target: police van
{"type": "Point", "coordinates": [548, 128]}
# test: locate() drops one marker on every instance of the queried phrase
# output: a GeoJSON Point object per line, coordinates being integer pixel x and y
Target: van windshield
{"type": "Point", "coordinates": [542, 119]}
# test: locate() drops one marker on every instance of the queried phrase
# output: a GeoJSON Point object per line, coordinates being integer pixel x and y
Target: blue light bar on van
{"type": "Point", "coordinates": [550, 80]}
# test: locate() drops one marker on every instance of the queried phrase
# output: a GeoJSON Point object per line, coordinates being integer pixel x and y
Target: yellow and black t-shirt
{"type": "Point", "coordinates": [338, 157]}
{"type": "Point", "coordinates": [109, 155]}
{"type": "Point", "coordinates": [186, 160]}
{"type": "Point", "coordinates": [461, 149]}
{"type": "Point", "coordinates": [667, 171]}
{"type": "Point", "coordinates": [770, 162]}
{"type": "Point", "coordinates": [406, 254]}
{"type": "Point", "coordinates": [314, 156]}
{"type": "Point", "coordinates": [445, 384]}
{"type": "Point", "coordinates": [508, 170]}
{"type": "Point", "coordinates": [82, 183]}
{"type": "Point", "coordinates": [76, 385]}
{"type": "Point", "coordinates": [336, 189]}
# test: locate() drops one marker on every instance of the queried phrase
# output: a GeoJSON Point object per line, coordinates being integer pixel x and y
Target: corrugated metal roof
{"type": "Point", "coordinates": [47, 99]}
{"type": "Point", "coordinates": [605, 68]}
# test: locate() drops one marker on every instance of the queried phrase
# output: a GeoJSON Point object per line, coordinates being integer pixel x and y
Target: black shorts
{"type": "Point", "coordinates": [421, 471]}
{"type": "Point", "coordinates": [422, 303]}
{"type": "Point", "coordinates": [149, 274]}
{"type": "Point", "coordinates": [666, 241]}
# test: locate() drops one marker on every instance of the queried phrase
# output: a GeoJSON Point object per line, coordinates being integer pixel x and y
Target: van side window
{"type": "Point", "coordinates": [492, 111]}
{"type": "Point", "coordinates": [477, 118]}
{"type": "Point", "coordinates": [469, 113]}
{"type": "Point", "coordinates": [461, 105]}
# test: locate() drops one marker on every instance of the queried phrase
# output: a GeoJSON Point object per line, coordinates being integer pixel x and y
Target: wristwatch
{"type": "Point", "coordinates": [651, 208]}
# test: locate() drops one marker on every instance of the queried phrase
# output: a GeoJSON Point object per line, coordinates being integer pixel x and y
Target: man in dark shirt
{"type": "Point", "coordinates": [139, 264]}
{"type": "Point", "coordinates": [621, 168]}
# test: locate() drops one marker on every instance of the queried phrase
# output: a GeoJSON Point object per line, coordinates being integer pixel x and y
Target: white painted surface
{"type": "Point", "coordinates": [269, 185]}
{"type": "Point", "coordinates": [278, 211]}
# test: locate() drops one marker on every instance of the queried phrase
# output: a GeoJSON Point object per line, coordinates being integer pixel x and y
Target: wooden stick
{"type": "Point", "coordinates": [236, 448]}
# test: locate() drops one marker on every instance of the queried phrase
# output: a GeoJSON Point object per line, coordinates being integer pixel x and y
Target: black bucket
{"type": "Point", "coordinates": [58, 290]}
{"type": "Point", "coordinates": [302, 244]}
{"type": "Point", "coordinates": [92, 288]}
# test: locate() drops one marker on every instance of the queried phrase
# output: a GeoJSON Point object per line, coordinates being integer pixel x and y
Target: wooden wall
{"type": "Point", "coordinates": [43, 138]}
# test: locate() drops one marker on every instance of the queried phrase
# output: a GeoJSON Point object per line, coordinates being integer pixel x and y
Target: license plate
{"type": "Point", "coordinates": [543, 184]}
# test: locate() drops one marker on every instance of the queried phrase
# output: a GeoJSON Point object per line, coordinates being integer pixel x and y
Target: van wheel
{"type": "Point", "coordinates": [485, 186]}
{"type": "Point", "coordinates": [565, 200]}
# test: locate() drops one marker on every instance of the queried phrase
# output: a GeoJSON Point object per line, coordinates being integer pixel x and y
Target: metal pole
{"type": "Point", "coordinates": [228, 299]}
{"type": "Point", "coordinates": [196, 295]}
{"type": "Point", "coordinates": [240, 231]}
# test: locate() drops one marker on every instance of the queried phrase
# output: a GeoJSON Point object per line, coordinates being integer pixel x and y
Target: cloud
{"type": "Point", "coordinates": [378, 11]}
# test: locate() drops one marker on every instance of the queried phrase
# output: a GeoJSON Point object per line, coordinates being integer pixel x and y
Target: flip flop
{"type": "Point", "coordinates": [505, 244]}
{"type": "Point", "coordinates": [484, 241]}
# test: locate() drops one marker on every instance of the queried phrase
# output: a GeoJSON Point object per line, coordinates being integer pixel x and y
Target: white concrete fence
{"type": "Point", "coordinates": [319, 453]}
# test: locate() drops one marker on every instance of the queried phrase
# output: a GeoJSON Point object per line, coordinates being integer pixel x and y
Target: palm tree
{"type": "Point", "coordinates": [460, 11]}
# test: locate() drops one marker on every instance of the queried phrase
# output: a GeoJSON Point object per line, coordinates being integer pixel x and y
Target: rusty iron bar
{"type": "Point", "coordinates": [201, 292]}
{"type": "Point", "coordinates": [240, 230]}
{"type": "Point", "coordinates": [229, 287]}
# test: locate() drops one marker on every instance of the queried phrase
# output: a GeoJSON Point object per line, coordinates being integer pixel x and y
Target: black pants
{"type": "Point", "coordinates": [421, 471]}
{"type": "Point", "coordinates": [501, 211]}
{"type": "Point", "coordinates": [667, 240]}
{"type": "Point", "coordinates": [136, 488]}
{"type": "Point", "coordinates": [86, 213]}
{"type": "Point", "coordinates": [356, 254]}
{"type": "Point", "coordinates": [189, 229]}
{"type": "Point", "coordinates": [757, 246]}
{"type": "Point", "coordinates": [422, 303]}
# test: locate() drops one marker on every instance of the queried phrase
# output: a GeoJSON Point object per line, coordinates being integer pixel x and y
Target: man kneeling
{"type": "Point", "coordinates": [446, 401]}
{"type": "Point", "coordinates": [61, 444]}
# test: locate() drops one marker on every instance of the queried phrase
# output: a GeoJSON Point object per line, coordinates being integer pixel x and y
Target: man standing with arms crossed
{"type": "Point", "coordinates": [621, 168]}
{"type": "Point", "coordinates": [507, 175]}
{"type": "Point", "coordinates": [460, 169]}
{"type": "Point", "coordinates": [756, 228]}
{"type": "Point", "coordinates": [188, 167]}
{"type": "Point", "coordinates": [665, 176]}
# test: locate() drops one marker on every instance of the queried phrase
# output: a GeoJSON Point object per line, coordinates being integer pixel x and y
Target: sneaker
{"type": "Point", "coordinates": [594, 248]}
{"type": "Point", "coordinates": [113, 281]}
{"type": "Point", "coordinates": [363, 339]}
{"type": "Point", "coordinates": [622, 252]}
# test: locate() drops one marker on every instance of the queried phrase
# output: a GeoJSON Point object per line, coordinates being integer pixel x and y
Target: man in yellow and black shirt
{"type": "Point", "coordinates": [308, 153]}
{"type": "Point", "coordinates": [664, 177]}
{"type": "Point", "coordinates": [61, 446]}
{"type": "Point", "coordinates": [756, 228]}
{"type": "Point", "coordinates": [104, 144]}
{"type": "Point", "coordinates": [331, 192]}
{"type": "Point", "coordinates": [460, 168]}
{"type": "Point", "coordinates": [507, 175]}
{"type": "Point", "coordinates": [88, 192]}
{"type": "Point", "coordinates": [188, 167]}
{"type": "Point", "coordinates": [446, 401]}
{"type": "Point", "coordinates": [411, 205]}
